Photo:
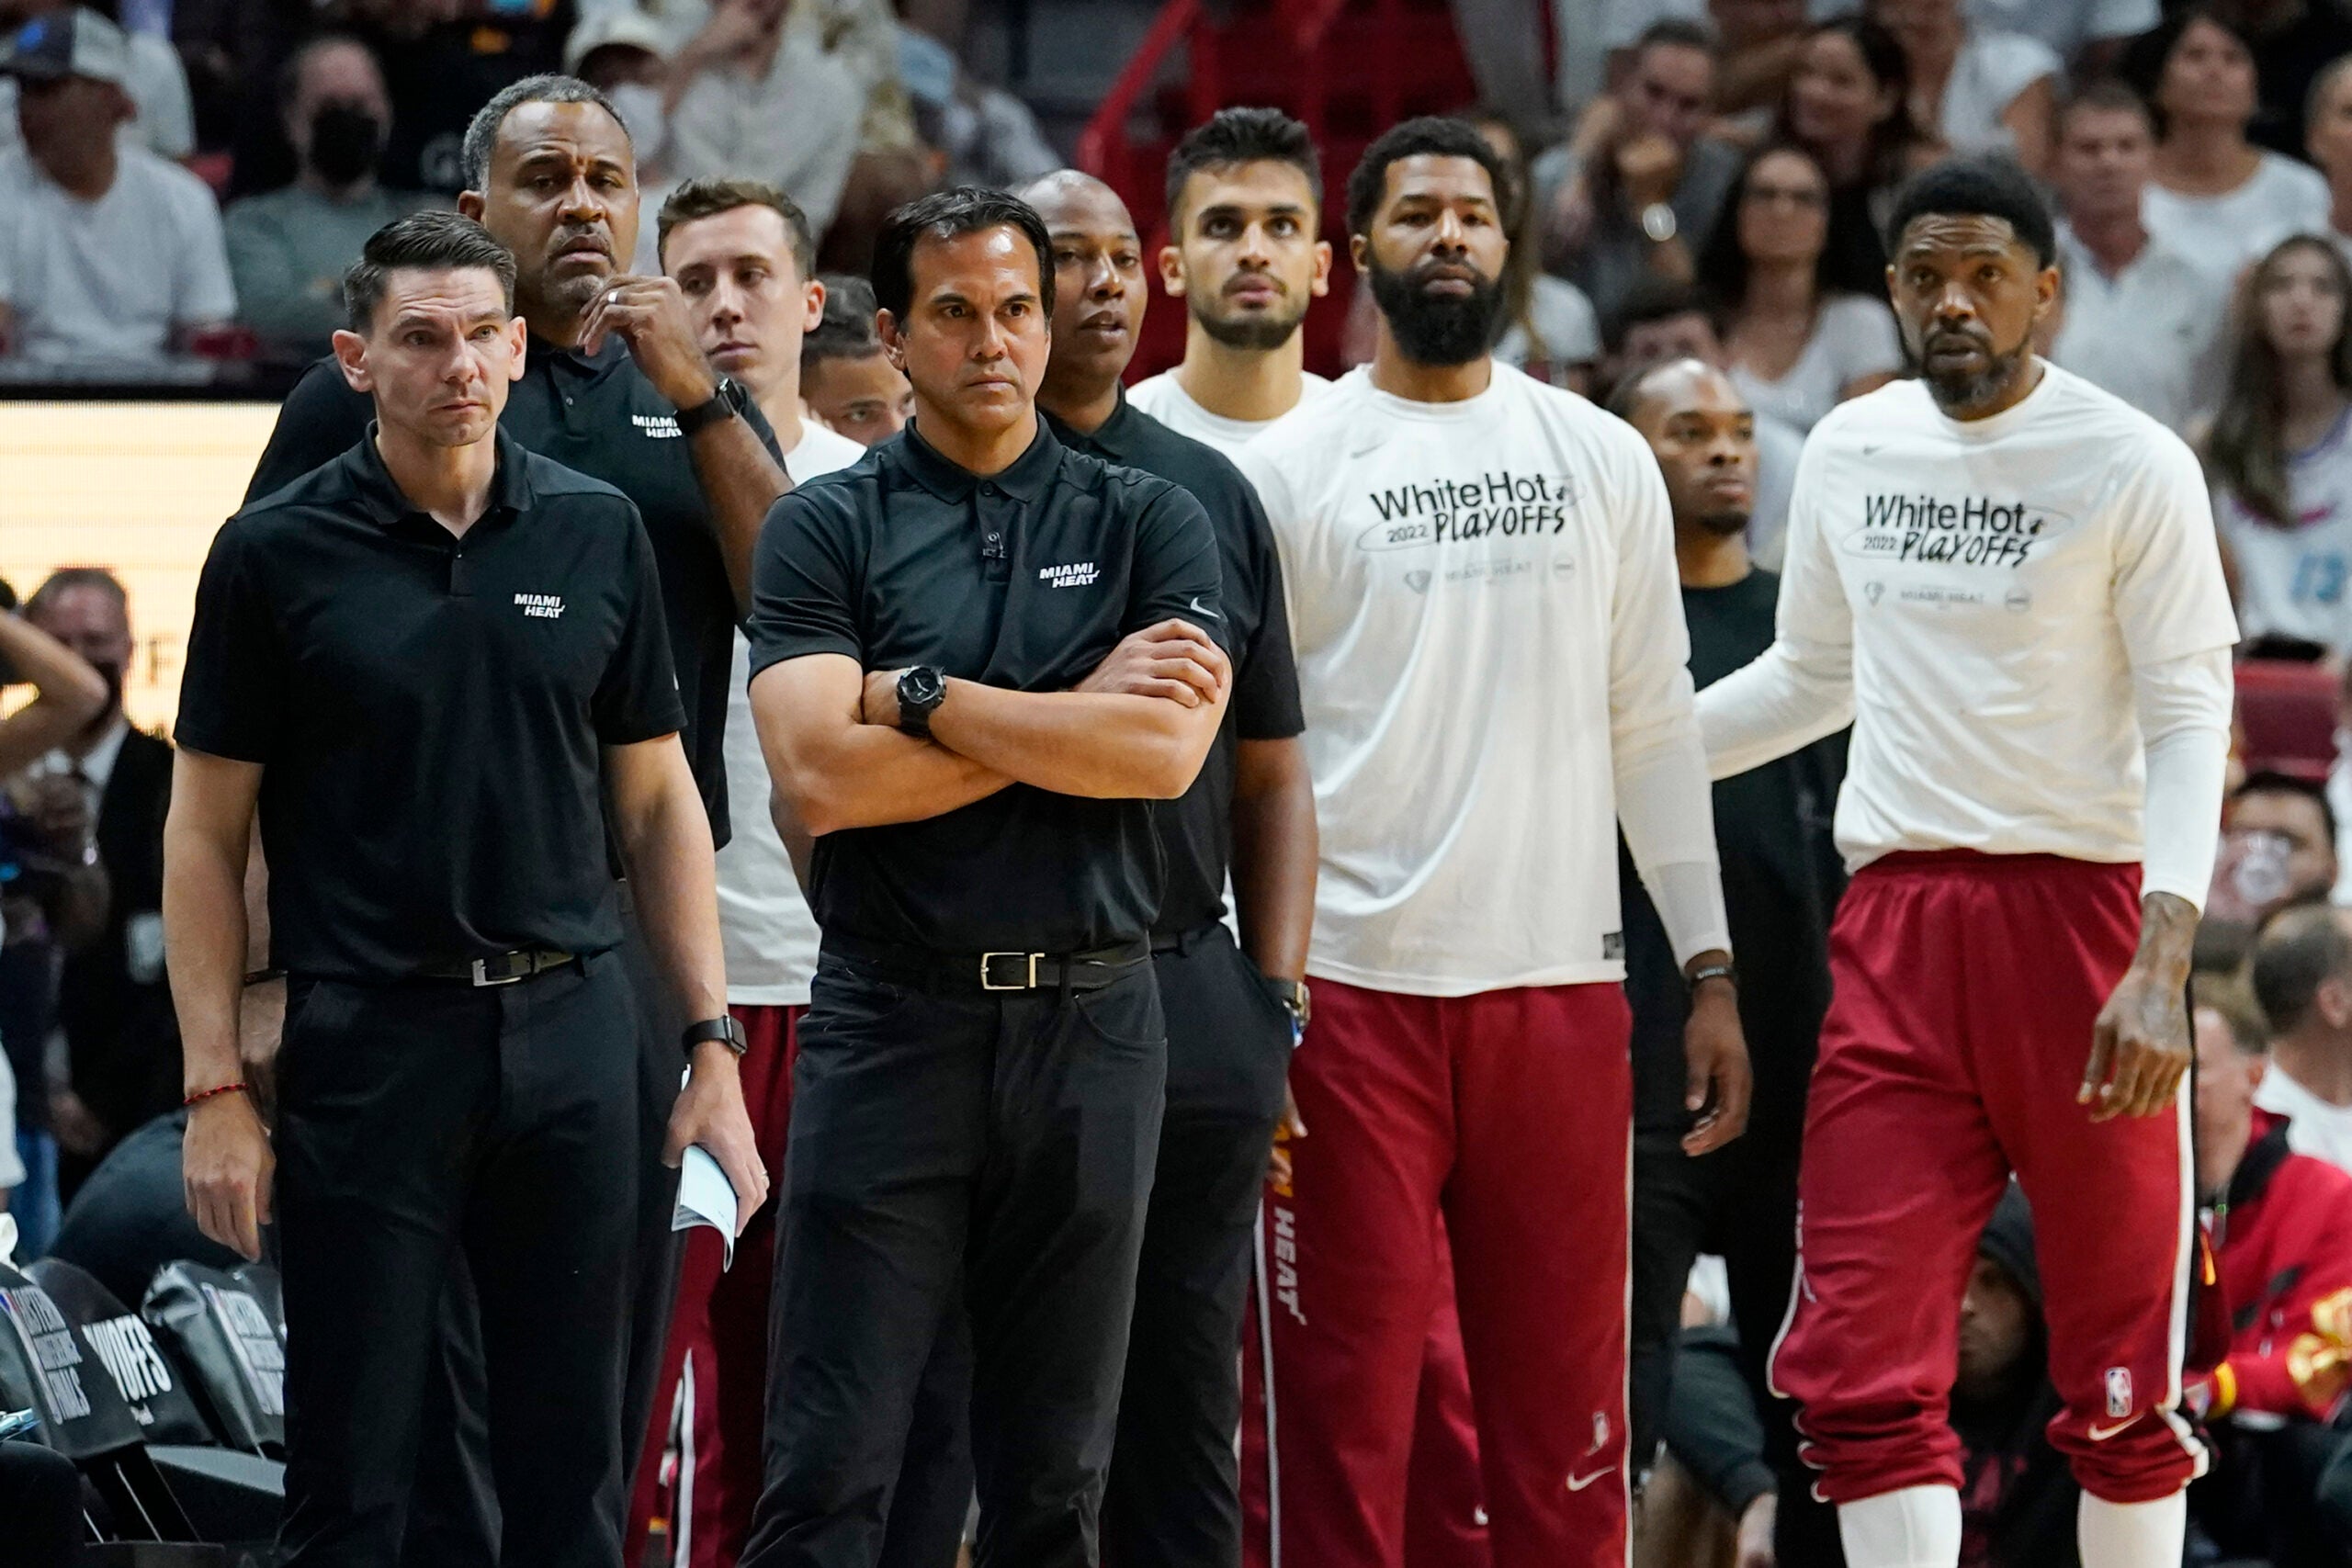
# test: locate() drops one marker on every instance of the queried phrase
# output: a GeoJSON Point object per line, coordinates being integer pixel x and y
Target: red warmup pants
{"type": "Point", "coordinates": [1509, 1112]}
{"type": "Point", "coordinates": [1445, 1497]}
{"type": "Point", "coordinates": [1965, 990]}
{"type": "Point", "coordinates": [721, 1320]}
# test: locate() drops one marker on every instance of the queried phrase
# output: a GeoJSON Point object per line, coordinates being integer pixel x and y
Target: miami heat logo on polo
{"type": "Point", "coordinates": [540, 606]}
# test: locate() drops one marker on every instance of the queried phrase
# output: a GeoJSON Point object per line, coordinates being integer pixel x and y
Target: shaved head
{"type": "Point", "coordinates": [1075, 191]}
{"type": "Point", "coordinates": [1100, 292]}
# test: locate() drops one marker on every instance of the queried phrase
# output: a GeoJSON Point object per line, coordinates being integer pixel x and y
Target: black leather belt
{"type": "Point", "coordinates": [999, 971]}
{"type": "Point", "coordinates": [1184, 941]}
{"type": "Point", "coordinates": [501, 969]}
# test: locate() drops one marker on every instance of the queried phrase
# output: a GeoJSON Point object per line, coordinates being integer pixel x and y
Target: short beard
{"type": "Point", "coordinates": [1720, 525]}
{"type": "Point", "coordinates": [568, 300]}
{"type": "Point", "coordinates": [1955, 393]}
{"type": "Point", "coordinates": [1437, 331]}
{"type": "Point", "coordinates": [1256, 333]}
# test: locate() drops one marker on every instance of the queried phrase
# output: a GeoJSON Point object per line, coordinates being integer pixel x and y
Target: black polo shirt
{"type": "Point", "coordinates": [1197, 831]}
{"type": "Point", "coordinates": [429, 711]}
{"type": "Point", "coordinates": [601, 417]}
{"type": "Point", "coordinates": [1022, 580]}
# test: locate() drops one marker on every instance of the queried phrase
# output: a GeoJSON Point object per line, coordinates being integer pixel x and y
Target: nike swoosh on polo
{"type": "Point", "coordinates": [1200, 609]}
{"type": "Point", "coordinates": [2100, 1434]}
{"type": "Point", "coordinates": [1578, 1482]}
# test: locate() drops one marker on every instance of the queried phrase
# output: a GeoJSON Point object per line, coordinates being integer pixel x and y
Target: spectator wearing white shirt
{"type": "Point", "coordinates": [163, 116]}
{"type": "Point", "coordinates": [2086, 34]}
{"type": "Point", "coordinates": [1976, 89]}
{"type": "Point", "coordinates": [2220, 200]}
{"type": "Point", "coordinates": [2302, 981]}
{"type": "Point", "coordinates": [2139, 320]}
{"type": "Point", "coordinates": [2280, 450]}
{"type": "Point", "coordinates": [750, 98]}
{"type": "Point", "coordinates": [2327, 135]}
{"type": "Point", "coordinates": [107, 252]}
{"type": "Point", "coordinates": [1798, 347]}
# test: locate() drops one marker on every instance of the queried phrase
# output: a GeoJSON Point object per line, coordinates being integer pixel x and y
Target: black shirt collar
{"type": "Point", "coordinates": [1115, 438]}
{"type": "Point", "coordinates": [542, 351]}
{"type": "Point", "coordinates": [372, 483]}
{"type": "Point", "coordinates": [1024, 479]}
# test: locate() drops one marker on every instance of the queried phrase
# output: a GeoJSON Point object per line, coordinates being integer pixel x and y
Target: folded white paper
{"type": "Point", "coordinates": [706, 1198]}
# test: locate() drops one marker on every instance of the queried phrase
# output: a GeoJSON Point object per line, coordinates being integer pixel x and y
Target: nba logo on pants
{"type": "Point", "coordinates": [2118, 1392]}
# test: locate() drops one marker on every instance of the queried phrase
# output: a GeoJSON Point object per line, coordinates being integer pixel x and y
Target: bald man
{"type": "Point", "coordinates": [1781, 878]}
{"type": "Point", "coordinates": [1234, 1012]}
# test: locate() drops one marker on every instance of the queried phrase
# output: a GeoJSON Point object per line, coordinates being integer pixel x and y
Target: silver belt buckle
{"type": "Point", "coordinates": [482, 975]}
{"type": "Point", "coordinates": [1030, 983]}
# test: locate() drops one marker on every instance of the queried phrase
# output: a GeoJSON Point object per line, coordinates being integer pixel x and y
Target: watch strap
{"type": "Point", "coordinates": [723, 403]}
{"type": "Point", "coordinates": [726, 1029]}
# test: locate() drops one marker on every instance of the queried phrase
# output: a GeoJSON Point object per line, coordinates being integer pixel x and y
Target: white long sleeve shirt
{"type": "Point", "coordinates": [1491, 656]}
{"type": "Point", "coordinates": [2023, 617]}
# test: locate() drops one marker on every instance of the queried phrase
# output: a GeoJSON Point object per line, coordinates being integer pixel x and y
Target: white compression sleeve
{"type": "Point", "coordinates": [2183, 708]}
{"type": "Point", "coordinates": [1912, 1527]}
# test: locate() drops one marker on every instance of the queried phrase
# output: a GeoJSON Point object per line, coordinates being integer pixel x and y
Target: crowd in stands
{"type": "Point", "coordinates": [182, 184]}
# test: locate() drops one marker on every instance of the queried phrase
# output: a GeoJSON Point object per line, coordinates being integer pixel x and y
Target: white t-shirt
{"type": "Point", "coordinates": [1491, 658]}
{"type": "Point", "coordinates": [2065, 25]}
{"type": "Point", "coordinates": [1975, 596]}
{"type": "Point", "coordinates": [106, 280]}
{"type": "Point", "coordinates": [164, 118]}
{"type": "Point", "coordinates": [12, 1166]}
{"type": "Point", "coordinates": [1852, 337]}
{"type": "Point", "coordinates": [796, 126]}
{"type": "Point", "coordinates": [1992, 68]}
{"type": "Point", "coordinates": [2222, 234]}
{"type": "Point", "coordinates": [2150, 334]}
{"type": "Point", "coordinates": [1779, 448]}
{"type": "Point", "coordinates": [1161, 398]}
{"type": "Point", "coordinates": [2298, 581]}
{"type": "Point", "coordinates": [770, 936]}
{"type": "Point", "coordinates": [1566, 330]}
{"type": "Point", "coordinates": [2313, 1127]}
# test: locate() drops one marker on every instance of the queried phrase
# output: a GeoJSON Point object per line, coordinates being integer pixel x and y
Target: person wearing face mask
{"type": "Point", "coordinates": [287, 248]}
{"type": "Point", "coordinates": [121, 1036]}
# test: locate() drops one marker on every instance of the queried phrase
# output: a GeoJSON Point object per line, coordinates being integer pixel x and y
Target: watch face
{"type": "Point", "coordinates": [922, 687]}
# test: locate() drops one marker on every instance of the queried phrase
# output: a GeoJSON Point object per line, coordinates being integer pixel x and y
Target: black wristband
{"type": "Point", "coordinates": [1714, 972]}
{"type": "Point", "coordinates": [725, 1029]}
{"type": "Point", "coordinates": [263, 976]}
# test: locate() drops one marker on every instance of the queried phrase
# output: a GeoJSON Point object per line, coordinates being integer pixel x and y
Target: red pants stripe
{"type": "Point", "coordinates": [1965, 990]}
{"type": "Point", "coordinates": [721, 1317]}
{"type": "Point", "coordinates": [1509, 1112]}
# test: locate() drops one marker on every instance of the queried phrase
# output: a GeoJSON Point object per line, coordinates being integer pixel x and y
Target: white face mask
{"type": "Point", "coordinates": [639, 107]}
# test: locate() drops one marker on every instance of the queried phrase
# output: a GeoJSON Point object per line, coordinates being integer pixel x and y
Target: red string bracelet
{"type": "Point", "coordinates": [204, 1094]}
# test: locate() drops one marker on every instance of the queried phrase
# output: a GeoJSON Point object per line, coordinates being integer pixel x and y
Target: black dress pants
{"type": "Point", "coordinates": [454, 1520]}
{"type": "Point", "coordinates": [1173, 1497]}
{"type": "Point", "coordinates": [945, 1136]}
{"type": "Point", "coordinates": [422, 1123]}
{"type": "Point", "coordinates": [1175, 1494]}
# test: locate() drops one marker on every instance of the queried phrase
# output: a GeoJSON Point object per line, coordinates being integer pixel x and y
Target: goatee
{"type": "Point", "coordinates": [1256, 333]}
{"type": "Point", "coordinates": [1439, 329]}
{"type": "Point", "coordinates": [1957, 390]}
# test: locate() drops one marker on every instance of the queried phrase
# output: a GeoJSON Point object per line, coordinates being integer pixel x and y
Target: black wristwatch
{"type": "Point", "coordinates": [1293, 995]}
{"type": "Point", "coordinates": [726, 401]}
{"type": "Point", "coordinates": [725, 1029]}
{"type": "Point", "coordinates": [920, 691]}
